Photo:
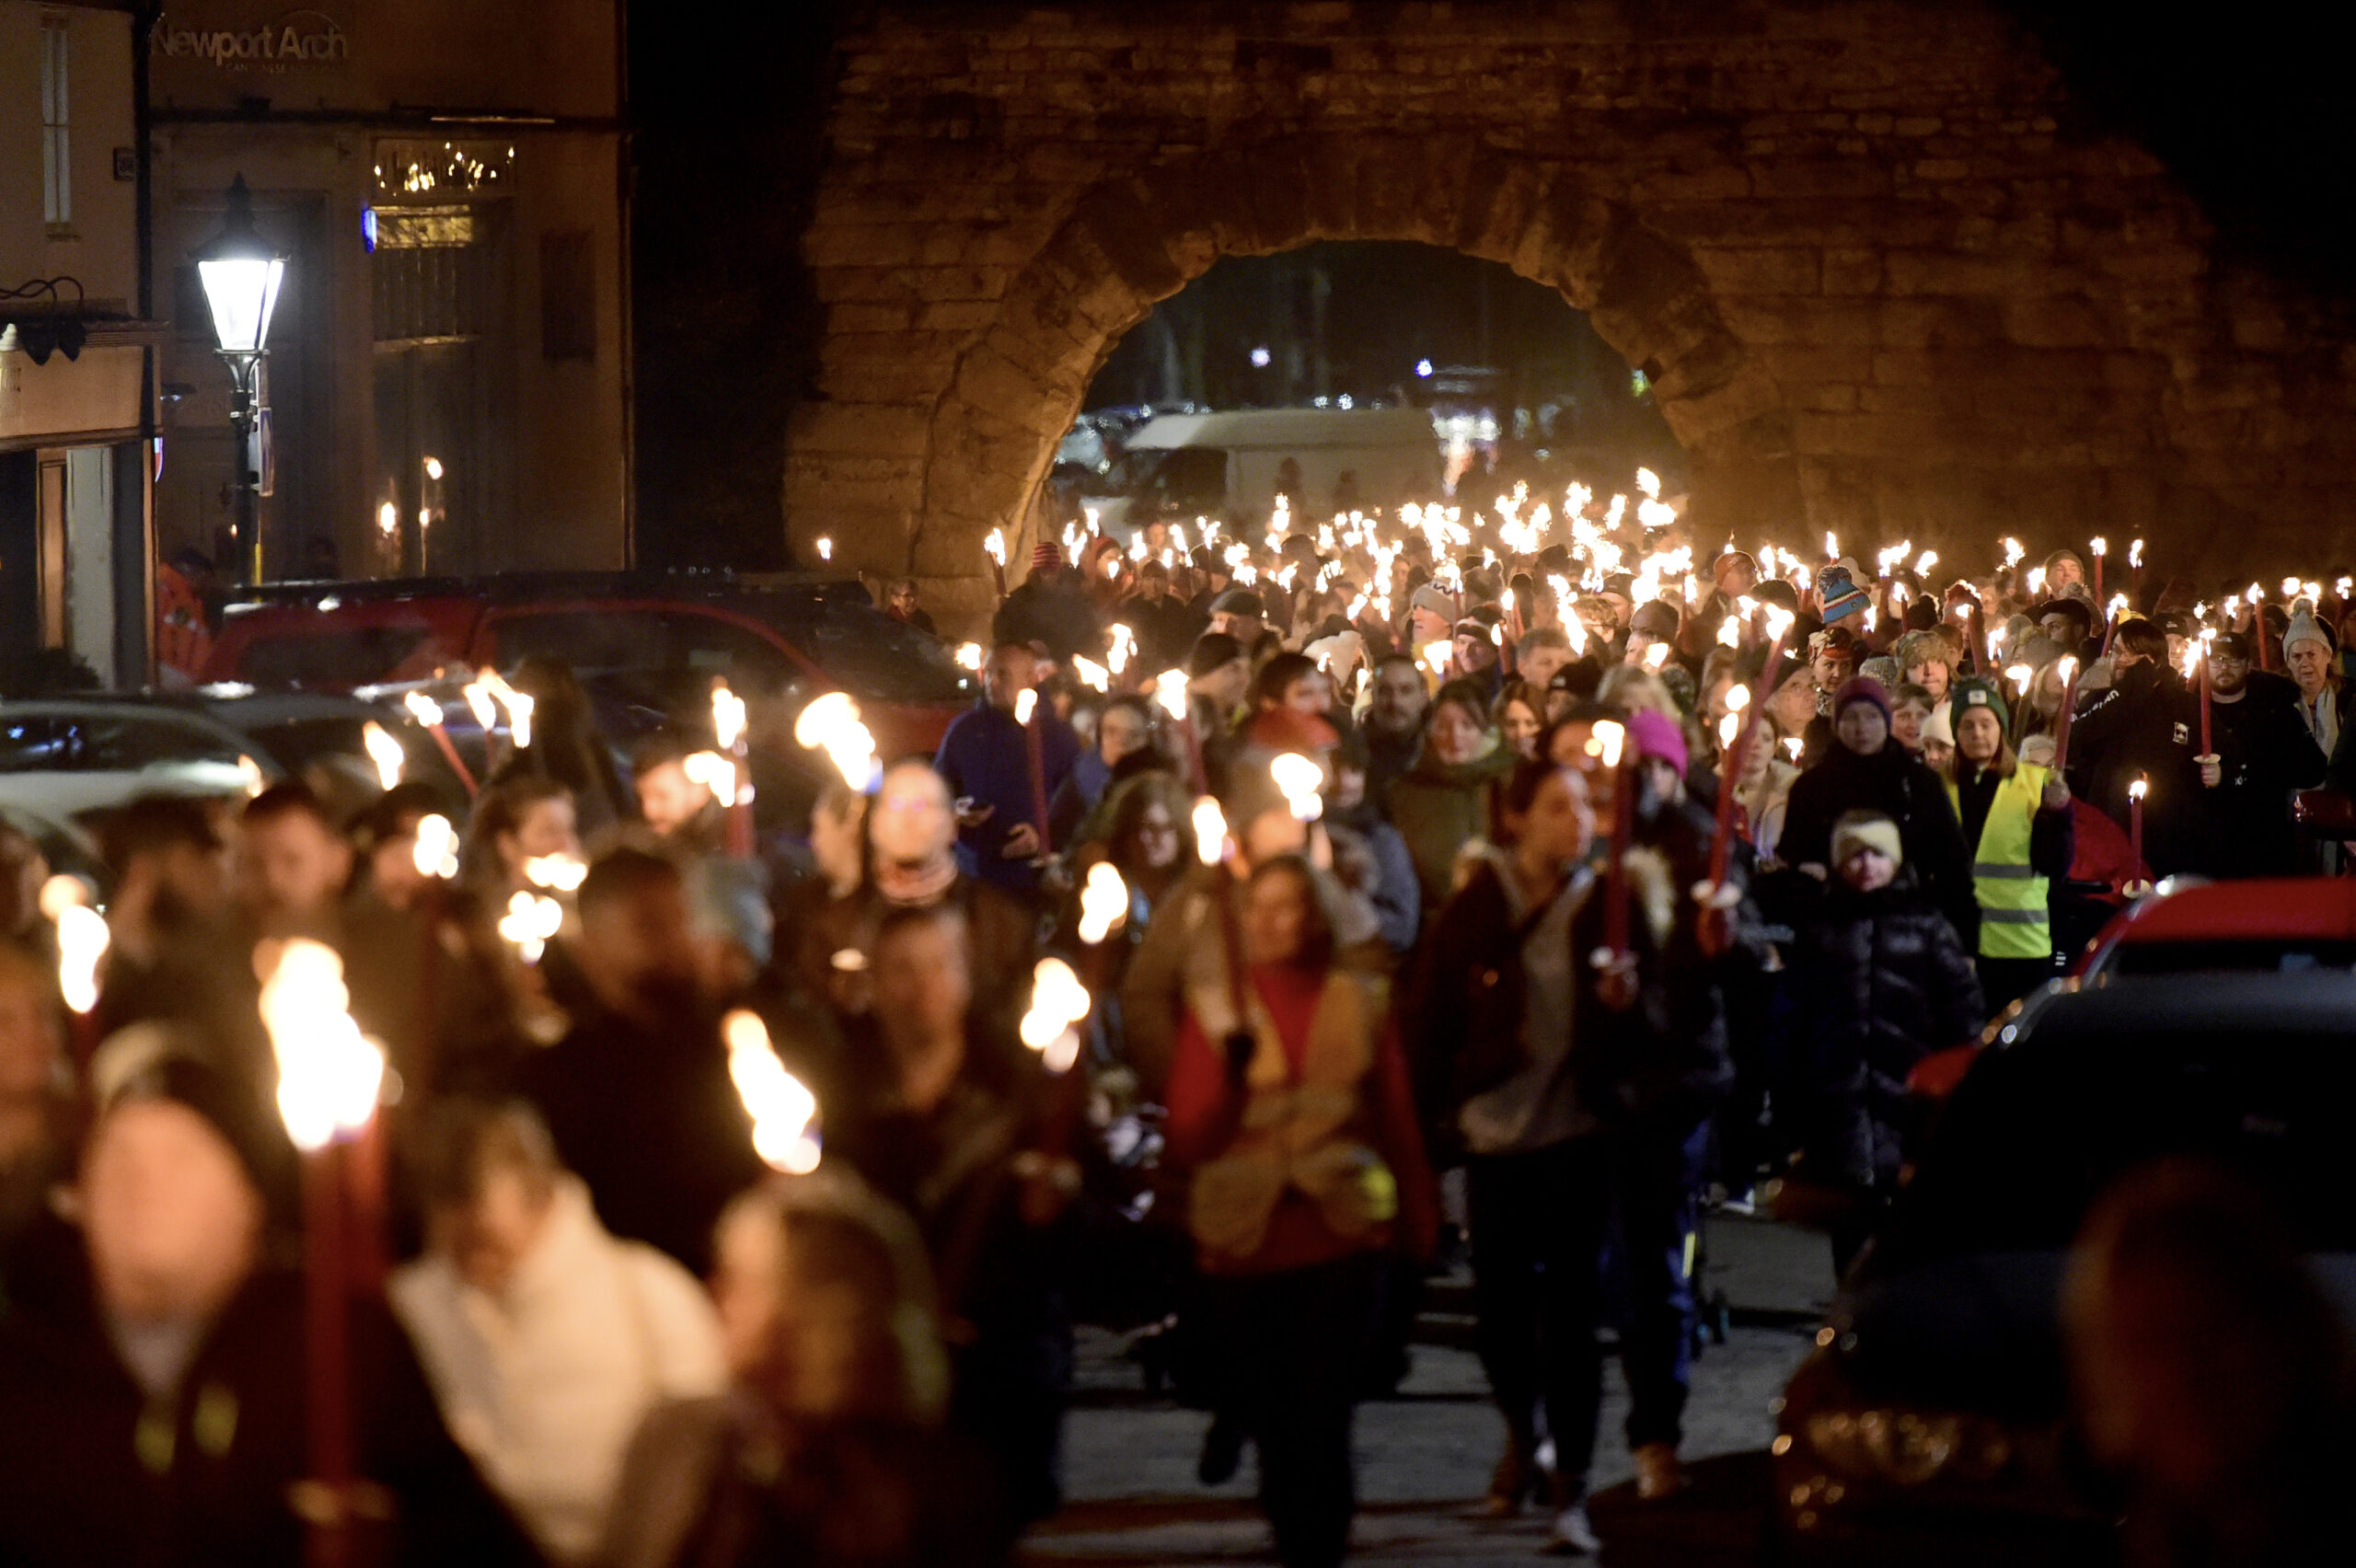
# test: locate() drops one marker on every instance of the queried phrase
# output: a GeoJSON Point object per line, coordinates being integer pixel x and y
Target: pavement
{"type": "Point", "coordinates": [1424, 1457]}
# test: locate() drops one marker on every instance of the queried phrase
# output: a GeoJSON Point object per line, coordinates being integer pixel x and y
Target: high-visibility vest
{"type": "Point", "coordinates": [2013, 920]}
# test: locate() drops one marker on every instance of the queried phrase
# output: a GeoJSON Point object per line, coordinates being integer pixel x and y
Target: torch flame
{"type": "Point", "coordinates": [831, 723]}
{"type": "Point", "coordinates": [781, 1107]}
{"type": "Point", "coordinates": [82, 940]}
{"type": "Point", "coordinates": [329, 1074]}
{"type": "Point", "coordinates": [1058, 1001]}
{"type": "Point", "coordinates": [1169, 690]}
{"type": "Point", "coordinates": [384, 752]}
{"type": "Point", "coordinates": [1090, 672]}
{"type": "Point", "coordinates": [1437, 656]}
{"type": "Point", "coordinates": [727, 716]}
{"type": "Point", "coordinates": [1737, 698]}
{"type": "Point", "coordinates": [1605, 741]}
{"type": "Point", "coordinates": [1025, 704]}
{"type": "Point", "coordinates": [423, 709]}
{"type": "Point", "coordinates": [1298, 778]}
{"type": "Point", "coordinates": [1103, 903]}
{"type": "Point", "coordinates": [969, 656]}
{"type": "Point", "coordinates": [559, 872]}
{"type": "Point", "coordinates": [529, 922]}
{"type": "Point", "coordinates": [995, 545]}
{"type": "Point", "coordinates": [1210, 832]}
{"type": "Point", "coordinates": [2141, 787]}
{"type": "Point", "coordinates": [714, 772]}
{"type": "Point", "coordinates": [436, 854]}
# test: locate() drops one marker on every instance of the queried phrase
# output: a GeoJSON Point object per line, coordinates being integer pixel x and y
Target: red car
{"type": "Point", "coordinates": [2275, 926]}
{"type": "Point", "coordinates": [656, 639]}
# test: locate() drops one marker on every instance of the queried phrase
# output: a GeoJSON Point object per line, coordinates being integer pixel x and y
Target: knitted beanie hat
{"type": "Point", "coordinates": [1975, 693]}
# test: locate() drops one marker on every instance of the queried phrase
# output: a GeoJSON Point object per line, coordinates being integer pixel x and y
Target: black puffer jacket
{"type": "Point", "coordinates": [1882, 981]}
{"type": "Point", "coordinates": [1662, 1065]}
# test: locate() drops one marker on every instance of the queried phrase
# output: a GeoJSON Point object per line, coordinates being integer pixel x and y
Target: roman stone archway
{"type": "Point", "coordinates": [1880, 286]}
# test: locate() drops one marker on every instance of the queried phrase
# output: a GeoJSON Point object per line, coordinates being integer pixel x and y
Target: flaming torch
{"type": "Point", "coordinates": [428, 712]}
{"type": "Point", "coordinates": [782, 1109]}
{"type": "Point", "coordinates": [384, 752]}
{"type": "Point", "coordinates": [831, 723]}
{"type": "Point", "coordinates": [1169, 690]}
{"type": "Point", "coordinates": [1103, 903]}
{"type": "Point", "coordinates": [82, 940]}
{"type": "Point", "coordinates": [995, 547]}
{"type": "Point", "coordinates": [2135, 793]}
{"type": "Point", "coordinates": [1026, 713]}
{"type": "Point", "coordinates": [1606, 742]}
{"type": "Point", "coordinates": [330, 1078]}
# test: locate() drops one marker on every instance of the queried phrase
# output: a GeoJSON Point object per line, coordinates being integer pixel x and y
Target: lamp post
{"type": "Point", "coordinates": [241, 274]}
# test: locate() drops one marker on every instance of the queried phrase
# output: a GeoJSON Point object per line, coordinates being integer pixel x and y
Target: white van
{"type": "Point", "coordinates": [1181, 466]}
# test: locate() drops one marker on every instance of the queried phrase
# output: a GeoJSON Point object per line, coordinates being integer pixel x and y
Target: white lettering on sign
{"type": "Point", "coordinates": [299, 37]}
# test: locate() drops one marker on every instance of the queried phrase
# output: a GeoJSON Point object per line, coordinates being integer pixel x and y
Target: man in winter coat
{"type": "Point", "coordinates": [939, 1113]}
{"type": "Point", "coordinates": [159, 1418]}
{"type": "Point", "coordinates": [2263, 753]}
{"type": "Point", "coordinates": [1866, 770]}
{"type": "Point", "coordinates": [637, 1093]}
{"type": "Point", "coordinates": [1882, 981]}
{"type": "Point", "coordinates": [2145, 726]}
{"type": "Point", "coordinates": [985, 756]}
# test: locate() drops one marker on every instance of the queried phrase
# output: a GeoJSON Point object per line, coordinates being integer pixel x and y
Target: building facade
{"type": "Point", "coordinates": [446, 388]}
{"type": "Point", "coordinates": [76, 353]}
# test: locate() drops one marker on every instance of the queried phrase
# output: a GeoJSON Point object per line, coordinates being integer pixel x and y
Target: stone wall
{"type": "Point", "coordinates": [1879, 283]}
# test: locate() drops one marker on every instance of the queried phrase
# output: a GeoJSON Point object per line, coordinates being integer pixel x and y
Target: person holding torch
{"type": "Point", "coordinates": [1298, 1132]}
{"type": "Point", "coordinates": [166, 1396]}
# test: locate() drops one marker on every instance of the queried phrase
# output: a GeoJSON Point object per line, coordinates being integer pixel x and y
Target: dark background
{"type": "Point", "coordinates": [2248, 105]}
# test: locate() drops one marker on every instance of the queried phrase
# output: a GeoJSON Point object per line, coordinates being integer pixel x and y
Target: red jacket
{"type": "Point", "coordinates": [1204, 1100]}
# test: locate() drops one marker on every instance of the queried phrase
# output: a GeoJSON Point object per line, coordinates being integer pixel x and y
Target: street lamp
{"type": "Point", "coordinates": [241, 273]}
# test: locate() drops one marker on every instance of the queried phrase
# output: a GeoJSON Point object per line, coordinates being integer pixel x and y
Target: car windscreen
{"type": "Point", "coordinates": [103, 741]}
{"type": "Point", "coordinates": [873, 657]}
{"type": "Point", "coordinates": [332, 659]}
{"type": "Point", "coordinates": [2035, 1132]}
{"type": "Point", "coordinates": [2260, 956]}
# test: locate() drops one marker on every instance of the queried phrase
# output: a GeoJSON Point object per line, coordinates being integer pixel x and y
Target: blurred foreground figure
{"type": "Point", "coordinates": [828, 1453]}
{"type": "Point", "coordinates": [1296, 1125]}
{"type": "Point", "coordinates": [159, 1419]}
{"type": "Point", "coordinates": [547, 1340]}
{"type": "Point", "coordinates": [940, 1115]}
{"type": "Point", "coordinates": [2211, 1373]}
{"type": "Point", "coordinates": [638, 1094]}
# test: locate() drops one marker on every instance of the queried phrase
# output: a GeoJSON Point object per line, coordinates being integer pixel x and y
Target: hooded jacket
{"type": "Point", "coordinates": [1881, 981]}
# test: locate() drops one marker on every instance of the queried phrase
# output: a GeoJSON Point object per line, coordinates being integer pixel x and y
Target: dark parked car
{"type": "Point", "coordinates": [656, 639]}
{"type": "Point", "coordinates": [1933, 1423]}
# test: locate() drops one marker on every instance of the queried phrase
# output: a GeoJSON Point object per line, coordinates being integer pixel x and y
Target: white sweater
{"type": "Point", "coordinates": [545, 1383]}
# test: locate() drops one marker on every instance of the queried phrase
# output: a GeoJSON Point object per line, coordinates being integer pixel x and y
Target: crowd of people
{"type": "Point", "coordinates": [1473, 898]}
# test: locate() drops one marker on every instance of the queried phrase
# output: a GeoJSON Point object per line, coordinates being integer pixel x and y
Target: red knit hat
{"type": "Point", "coordinates": [1046, 552]}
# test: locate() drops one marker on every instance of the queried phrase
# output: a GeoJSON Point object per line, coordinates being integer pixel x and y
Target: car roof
{"type": "Point", "coordinates": [524, 587]}
{"type": "Point", "coordinates": [2282, 909]}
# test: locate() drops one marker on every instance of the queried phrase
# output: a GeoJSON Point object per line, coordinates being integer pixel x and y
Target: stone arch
{"type": "Point", "coordinates": [1130, 242]}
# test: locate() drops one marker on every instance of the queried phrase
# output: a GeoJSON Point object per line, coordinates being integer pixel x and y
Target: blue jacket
{"type": "Point", "coordinates": [983, 756]}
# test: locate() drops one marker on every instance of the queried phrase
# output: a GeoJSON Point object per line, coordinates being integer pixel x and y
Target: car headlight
{"type": "Point", "coordinates": [1908, 1448]}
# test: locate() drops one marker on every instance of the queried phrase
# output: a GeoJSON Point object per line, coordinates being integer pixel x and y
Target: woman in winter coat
{"type": "Point", "coordinates": [1493, 1038]}
{"type": "Point", "coordinates": [2015, 817]}
{"type": "Point", "coordinates": [1296, 1125]}
{"type": "Point", "coordinates": [1441, 802]}
{"type": "Point", "coordinates": [1865, 769]}
{"type": "Point", "coordinates": [1881, 982]}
